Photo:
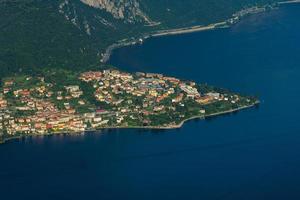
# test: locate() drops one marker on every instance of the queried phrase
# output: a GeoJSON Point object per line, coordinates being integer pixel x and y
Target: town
{"type": "Point", "coordinates": [39, 105]}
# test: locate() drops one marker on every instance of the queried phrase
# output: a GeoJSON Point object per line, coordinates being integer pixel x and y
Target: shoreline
{"type": "Point", "coordinates": [227, 23]}
{"type": "Point", "coordinates": [288, 2]}
{"type": "Point", "coordinates": [179, 31]}
{"type": "Point", "coordinates": [191, 29]}
{"type": "Point", "coordinates": [217, 114]}
{"type": "Point", "coordinates": [236, 17]}
{"type": "Point", "coordinates": [170, 127]}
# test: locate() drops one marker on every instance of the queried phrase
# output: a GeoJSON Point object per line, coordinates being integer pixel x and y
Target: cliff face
{"type": "Point", "coordinates": [104, 17]}
{"type": "Point", "coordinates": [127, 10]}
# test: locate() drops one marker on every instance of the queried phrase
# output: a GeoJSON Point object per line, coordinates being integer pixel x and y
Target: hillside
{"type": "Point", "coordinates": [178, 13]}
{"type": "Point", "coordinates": [74, 33]}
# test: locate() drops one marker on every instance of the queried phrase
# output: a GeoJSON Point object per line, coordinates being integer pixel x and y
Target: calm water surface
{"type": "Point", "coordinates": [254, 154]}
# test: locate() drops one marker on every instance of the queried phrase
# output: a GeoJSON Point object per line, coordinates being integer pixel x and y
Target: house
{"type": "Point", "coordinates": [178, 98]}
{"type": "Point", "coordinates": [22, 93]}
{"type": "Point", "coordinates": [158, 108]}
{"type": "Point", "coordinates": [8, 83]}
{"type": "Point", "coordinates": [97, 119]}
{"type": "Point", "coordinates": [3, 103]}
{"type": "Point", "coordinates": [6, 90]}
{"type": "Point", "coordinates": [202, 111]}
{"type": "Point", "coordinates": [189, 90]}
{"type": "Point", "coordinates": [205, 100]}
{"type": "Point", "coordinates": [81, 102]}
{"type": "Point", "coordinates": [120, 119]}
{"type": "Point", "coordinates": [74, 91]}
{"type": "Point", "coordinates": [153, 93]}
{"type": "Point", "coordinates": [215, 95]}
{"type": "Point", "coordinates": [91, 76]}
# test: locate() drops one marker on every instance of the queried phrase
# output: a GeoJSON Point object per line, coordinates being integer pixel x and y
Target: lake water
{"type": "Point", "coordinates": [254, 154]}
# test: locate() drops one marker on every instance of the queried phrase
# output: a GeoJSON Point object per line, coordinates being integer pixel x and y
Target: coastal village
{"type": "Point", "coordinates": [106, 99]}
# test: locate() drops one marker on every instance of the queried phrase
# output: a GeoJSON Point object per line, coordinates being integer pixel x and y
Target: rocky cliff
{"type": "Point", "coordinates": [128, 10]}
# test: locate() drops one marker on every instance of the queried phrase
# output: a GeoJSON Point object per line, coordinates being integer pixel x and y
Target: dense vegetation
{"type": "Point", "coordinates": [178, 13]}
{"type": "Point", "coordinates": [32, 35]}
{"type": "Point", "coordinates": [35, 33]}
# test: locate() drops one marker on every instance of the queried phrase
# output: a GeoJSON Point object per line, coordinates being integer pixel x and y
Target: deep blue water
{"type": "Point", "coordinates": [254, 154]}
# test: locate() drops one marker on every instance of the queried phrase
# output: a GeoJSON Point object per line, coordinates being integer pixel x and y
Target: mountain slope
{"type": "Point", "coordinates": [33, 34]}
{"type": "Point", "coordinates": [178, 13]}
{"type": "Point", "coordinates": [47, 33]}
{"type": "Point", "coordinates": [74, 33]}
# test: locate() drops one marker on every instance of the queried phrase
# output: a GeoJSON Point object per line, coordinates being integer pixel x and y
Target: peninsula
{"type": "Point", "coordinates": [54, 101]}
